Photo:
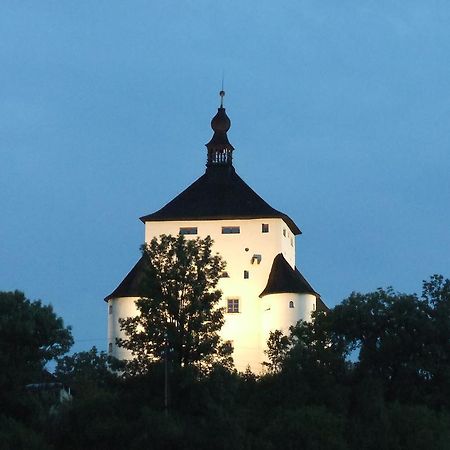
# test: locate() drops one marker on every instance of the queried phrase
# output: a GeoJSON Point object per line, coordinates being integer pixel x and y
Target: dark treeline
{"type": "Point", "coordinates": [372, 373]}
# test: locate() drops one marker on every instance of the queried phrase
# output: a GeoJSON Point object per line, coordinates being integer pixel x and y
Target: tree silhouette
{"type": "Point", "coordinates": [179, 318]}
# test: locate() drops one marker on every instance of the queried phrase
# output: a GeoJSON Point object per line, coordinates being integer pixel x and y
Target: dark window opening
{"type": "Point", "coordinates": [291, 304]}
{"type": "Point", "coordinates": [188, 230]}
{"type": "Point", "coordinates": [256, 259]}
{"type": "Point", "coordinates": [231, 230]}
{"type": "Point", "coordinates": [110, 309]}
{"type": "Point", "coordinates": [246, 274]}
{"type": "Point", "coordinates": [233, 305]}
{"type": "Point", "coordinates": [284, 232]}
{"type": "Point", "coordinates": [110, 347]}
{"type": "Point", "coordinates": [265, 228]}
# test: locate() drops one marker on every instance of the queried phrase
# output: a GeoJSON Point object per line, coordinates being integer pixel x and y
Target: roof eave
{"type": "Point", "coordinates": [289, 222]}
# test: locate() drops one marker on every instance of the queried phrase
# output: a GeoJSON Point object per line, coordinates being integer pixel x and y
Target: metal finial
{"type": "Point", "coordinates": [222, 92]}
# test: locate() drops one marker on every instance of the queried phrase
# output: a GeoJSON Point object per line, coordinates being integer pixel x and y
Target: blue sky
{"type": "Point", "coordinates": [340, 118]}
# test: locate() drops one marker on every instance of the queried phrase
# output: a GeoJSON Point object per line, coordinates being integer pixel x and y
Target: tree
{"type": "Point", "coordinates": [278, 346]}
{"type": "Point", "coordinates": [395, 335]}
{"type": "Point", "coordinates": [296, 428]}
{"type": "Point", "coordinates": [308, 365]}
{"type": "Point", "coordinates": [436, 292]}
{"type": "Point", "coordinates": [179, 318]}
{"type": "Point", "coordinates": [86, 371]}
{"type": "Point", "coordinates": [15, 435]}
{"type": "Point", "coordinates": [309, 347]}
{"type": "Point", "coordinates": [31, 335]}
{"type": "Point", "coordinates": [401, 343]}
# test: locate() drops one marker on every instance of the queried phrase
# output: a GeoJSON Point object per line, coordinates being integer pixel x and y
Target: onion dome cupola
{"type": "Point", "coordinates": [220, 151]}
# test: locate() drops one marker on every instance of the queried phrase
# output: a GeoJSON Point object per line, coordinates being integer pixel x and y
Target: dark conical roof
{"type": "Point", "coordinates": [283, 278]}
{"type": "Point", "coordinates": [219, 194]}
{"type": "Point", "coordinates": [132, 284]}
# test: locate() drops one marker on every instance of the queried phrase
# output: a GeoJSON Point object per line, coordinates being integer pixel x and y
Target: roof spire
{"type": "Point", "coordinates": [220, 151]}
{"type": "Point", "coordinates": [222, 92]}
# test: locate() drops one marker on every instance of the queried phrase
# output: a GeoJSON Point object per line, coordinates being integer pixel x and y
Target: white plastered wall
{"type": "Point", "coordinates": [121, 307]}
{"type": "Point", "coordinates": [249, 328]}
{"type": "Point", "coordinates": [243, 328]}
{"type": "Point", "coordinates": [278, 315]}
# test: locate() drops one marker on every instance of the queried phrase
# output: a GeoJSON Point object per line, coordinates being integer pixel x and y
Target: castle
{"type": "Point", "coordinates": [262, 289]}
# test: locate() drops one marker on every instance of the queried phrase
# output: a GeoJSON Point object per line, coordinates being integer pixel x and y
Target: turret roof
{"type": "Point", "coordinates": [283, 278]}
{"type": "Point", "coordinates": [132, 284]}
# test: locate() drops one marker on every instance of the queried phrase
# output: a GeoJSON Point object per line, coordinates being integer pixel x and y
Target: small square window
{"type": "Point", "coordinates": [233, 305]}
{"type": "Point", "coordinates": [292, 241]}
{"type": "Point", "coordinates": [188, 230]}
{"type": "Point", "coordinates": [110, 347]}
{"type": "Point", "coordinates": [231, 230]}
{"type": "Point", "coordinates": [246, 274]}
{"type": "Point", "coordinates": [314, 306]}
{"type": "Point", "coordinates": [110, 309]}
{"type": "Point", "coordinates": [256, 259]}
{"type": "Point", "coordinates": [291, 304]}
{"type": "Point", "coordinates": [265, 228]}
{"type": "Point", "coordinates": [284, 232]}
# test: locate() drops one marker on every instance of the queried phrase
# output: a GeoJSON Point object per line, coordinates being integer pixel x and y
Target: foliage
{"type": "Point", "coordinates": [86, 371]}
{"type": "Point", "coordinates": [402, 344]}
{"type": "Point", "coordinates": [393, 396]}
{"type": "Point", "coordinates": [403, 340]}
{"type": "Point", "coordinates": [278, 346]}
{"type": "Point", "coordinates": [179, 317]}
{"type": "Point", "coordinates": [308, 428]}
{"type": "Point", "coordinates": [31, 335]}
{"type": "Point", "coordinates": [15, 435]}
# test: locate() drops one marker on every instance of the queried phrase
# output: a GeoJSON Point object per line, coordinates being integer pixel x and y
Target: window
{"type": "Point", "coordinates": [284, 232]}
{"type": "Point", "coordinates": [256, 259]}
{"type": "Point", "coordinates": [233, 305]}
{"type": "Point", "coordinates": [110, 347]}
{"type": "Point", "coordinates": [224, 275]}
{"type": "Point", "coordinates": [314, 306]}
{"type": "Point", "coordinates": [188, 230]}
{"type": "Point", "coordinates": [231, 230]}
{"type": "Point", "coordinates": [292, 241]}
{"type": "Point", "coordinates": [291, 304]}
{"type": "Point", "coordinates": [110, 309]}
{"type": "Point", "coordinates": [265, 228]}
{"type": "Point", "coordinates": [246, 274]}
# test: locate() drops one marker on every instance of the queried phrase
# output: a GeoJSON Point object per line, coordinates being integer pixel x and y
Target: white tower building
{"type": "Point", "coordinates": [262, 289]}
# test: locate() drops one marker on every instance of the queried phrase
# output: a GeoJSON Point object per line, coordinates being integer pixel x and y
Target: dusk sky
{"type": "Point", "coordinates": [340, 117]}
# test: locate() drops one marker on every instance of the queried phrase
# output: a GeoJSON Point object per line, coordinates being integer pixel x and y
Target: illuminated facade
{"type": "Point", "coordinates": [262, 290]}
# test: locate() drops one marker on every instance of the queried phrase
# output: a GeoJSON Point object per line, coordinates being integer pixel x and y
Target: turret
{"type": "Point", "coordinates": [220, 151]}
